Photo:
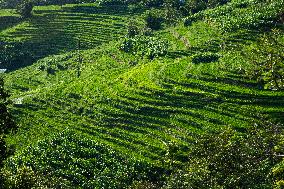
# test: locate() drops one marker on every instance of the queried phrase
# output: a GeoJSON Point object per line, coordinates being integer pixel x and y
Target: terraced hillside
{"type": "Point", "coordinates": [55, 29]}
{"type": "Point", "coordinates": [103, 118]}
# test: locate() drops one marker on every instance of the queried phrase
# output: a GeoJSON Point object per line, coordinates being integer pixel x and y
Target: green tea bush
{"type": "Point", "coordinates": [195, 6]}
{"type": "Point", "coordinates": [150, 47]}
{"type": "Point", "coordinates": [233, 160]}
{"type": "Point", "coordinates": [9, 4]}
{"type": "Point", "coordinates": [81, 162]}
{"type": "Point", "coordinates": [172, 14]}
{"type": "Point", "coordinates": [24, 178]}
{"type": "Point", "coordinates": [206, 57]}
{"type": "Point", "coordinates": [6, 125]}
{"type": "Point", "coordinates": [267, 59]}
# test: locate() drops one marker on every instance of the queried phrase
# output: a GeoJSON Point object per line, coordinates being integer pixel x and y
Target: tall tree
{"type": "Point", "coordinates": [6, 122]}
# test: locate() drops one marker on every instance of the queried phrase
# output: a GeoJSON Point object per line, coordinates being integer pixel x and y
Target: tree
{"type": "Point", "coordinates": [267, 60]}
{"type": "Point", "coordinates": [25, 8]}
{"type": "Point", "coordinates": [6, 122]}
{"type": "Point", "coordinates": [253, 159]}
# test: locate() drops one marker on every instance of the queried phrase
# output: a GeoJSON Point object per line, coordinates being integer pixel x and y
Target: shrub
{"type": "Point", "coordinates": [233, 160]}
{"type": "Point", "coordinates": [150, 47]}
{"type": "Point", "coordinates": [171, 12]}
{"type": "Point", "coordinates": [10, 4]}
{"type": "Point", "coordinates": [133, 28]}
{"type": "Point", "coordinates": [25, 8]}
{"type": "Point", "coordinates": [206, 57]}
{"type": "Point", "coordinates": [153, 19]}
{"type": "Point", "coordinates": [278, 175]}
{"type": "Point", "coordinates": [6, 122]}
{"type": "Point", "coordinates": [214, 3]}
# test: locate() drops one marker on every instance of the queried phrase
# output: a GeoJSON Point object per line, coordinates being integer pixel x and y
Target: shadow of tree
{"type": "Point", "coordinates": [8, 21]}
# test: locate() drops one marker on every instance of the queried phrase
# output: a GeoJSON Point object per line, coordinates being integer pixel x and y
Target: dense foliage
{"type": "Point", "coordinates": [6, 125]}
{"type": "Point", "coordinates": [25, 8]}
{"type": "Point", "coordinates": [233, 160]}
{"type": "Point", "coordinates": [79, 163]}
{"type": "Point", "coordinates": [154, 19]}
{"type": "Point", "coordinates": [148, 46]}
{"type": "Point", "coordinates": [267, 58]}
{"type": "Point", "coordinates": [13, 55]}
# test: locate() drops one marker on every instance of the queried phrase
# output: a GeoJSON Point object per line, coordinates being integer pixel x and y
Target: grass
{"type": "Point", "coordinates": [139, 110]}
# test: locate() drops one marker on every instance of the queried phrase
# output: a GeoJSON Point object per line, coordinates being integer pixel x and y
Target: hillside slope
{"type": "Point", "coordinates": [107, 105]}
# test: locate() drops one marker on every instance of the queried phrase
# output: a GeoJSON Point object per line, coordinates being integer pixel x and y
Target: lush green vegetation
{"type": "Point", "coordinates": [55, 30]}
{"type": "Point", "coordinates": [102, 101]}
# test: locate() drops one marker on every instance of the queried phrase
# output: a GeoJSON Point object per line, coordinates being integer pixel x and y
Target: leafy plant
{"type": "Point", "coordinates": [6, 125]}
{"type": "Point", "coordinates": [192, 18]}
{"type": "Point", "coordinates": [194, 6]}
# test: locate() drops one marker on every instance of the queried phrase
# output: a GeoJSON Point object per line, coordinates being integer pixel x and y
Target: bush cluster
{"type": "Point", "coordinates": [148, 46]}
